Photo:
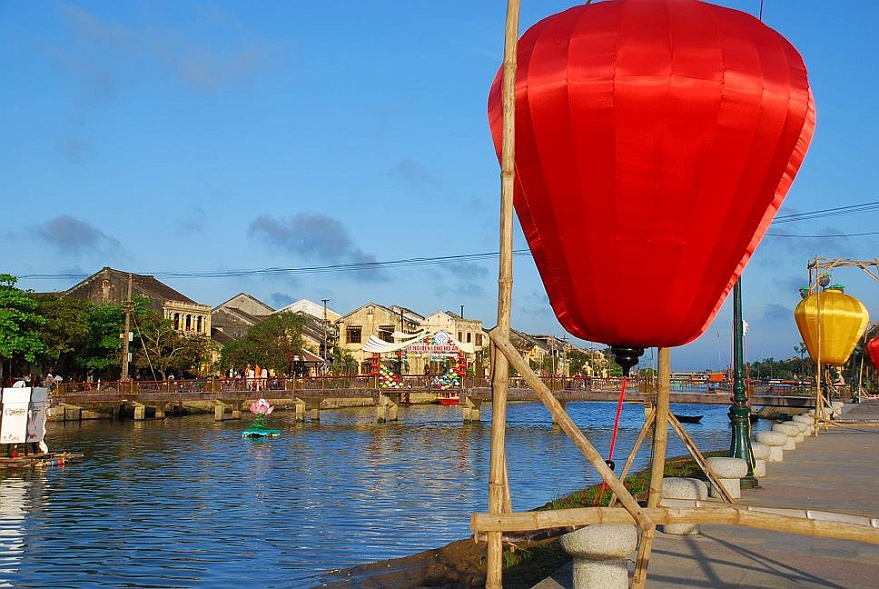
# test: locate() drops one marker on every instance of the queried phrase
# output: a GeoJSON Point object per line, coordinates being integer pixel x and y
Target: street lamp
{"type": "Point", "coordinates": [740, 412]}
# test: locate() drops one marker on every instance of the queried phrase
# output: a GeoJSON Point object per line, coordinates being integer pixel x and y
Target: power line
{"type": "Point", "coordinates": [834, 212]}
{"type": "Point", "coordinates": [457, 259]}
{"type": "Point", "coordinates": [360, 266]}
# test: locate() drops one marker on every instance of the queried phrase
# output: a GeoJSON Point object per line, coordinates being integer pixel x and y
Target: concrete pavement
{"type": "Point", "coordinates": [837, 471]}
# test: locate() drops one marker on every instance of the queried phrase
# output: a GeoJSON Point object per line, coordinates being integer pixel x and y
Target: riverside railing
{"type": "Point", "coordinates": [287, 386]}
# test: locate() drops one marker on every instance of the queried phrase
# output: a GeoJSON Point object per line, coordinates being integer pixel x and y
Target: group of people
{"type": "Point", "coordinates": [33, 380]}
{"type": "Point", "coordinates": [255, 378]}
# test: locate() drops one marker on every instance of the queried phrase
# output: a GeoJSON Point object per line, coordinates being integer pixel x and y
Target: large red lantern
{"type": "Point", "coordinates": [873, 352]}
{"type": "Point", "coordinates": [655, 141]}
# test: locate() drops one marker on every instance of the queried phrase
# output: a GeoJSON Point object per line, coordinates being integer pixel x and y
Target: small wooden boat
{"type": "Point", "coordinates": [39, 460]}
{"type": "Point", "coordinates": [449, 398]}
{"type": "Point", "coordinates": [688, 418]}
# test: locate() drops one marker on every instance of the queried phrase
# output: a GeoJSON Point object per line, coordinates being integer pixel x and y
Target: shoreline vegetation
{"type": "Point", "coordinates": [462, 564]}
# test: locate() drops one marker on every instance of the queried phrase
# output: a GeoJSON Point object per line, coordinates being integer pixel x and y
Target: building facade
{"type": "Point", "coordinates": [111, 286]}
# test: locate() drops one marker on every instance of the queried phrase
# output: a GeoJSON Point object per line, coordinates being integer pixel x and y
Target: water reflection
{"type": "Point", "coordinates": [187, 502]}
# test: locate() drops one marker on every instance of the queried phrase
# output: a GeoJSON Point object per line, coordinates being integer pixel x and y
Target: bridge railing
{"type": "Point", "coordinates": [287, 386]}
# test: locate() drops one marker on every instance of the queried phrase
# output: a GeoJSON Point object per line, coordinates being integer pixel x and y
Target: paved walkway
{"type": "Point", "coordinates": [837, 471]}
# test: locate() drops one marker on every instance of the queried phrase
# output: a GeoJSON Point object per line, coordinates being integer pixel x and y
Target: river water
{"type": "Point", "coordinates": [188, 502]}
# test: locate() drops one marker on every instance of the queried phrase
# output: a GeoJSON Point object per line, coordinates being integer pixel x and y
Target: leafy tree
{"type": "Point", "coordinates": [65, 332]}
{"type": "Point", "coordinates": [274, 343]}
{"type": "Point", "coordinates": [101, 355]}
{"type": "Point", "coordinates": [167, 350]}
{"type": "Point", "coordinates": [20, 324]}
{"type": "Point", "coordinates": [344, 363]}
{"type": "Point", "coordinates": [577, 360]}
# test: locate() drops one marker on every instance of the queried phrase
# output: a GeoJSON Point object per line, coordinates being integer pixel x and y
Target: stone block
{"type": "Point", "coordinates": [599, 553]}
{"type": "Point", "coordinates": [730, 471]}
{"type": "Point", "coordinates": [776, 442]}
{"type": "Point", "coordinates": [791, 431]}
{"type": "Point", "coordinates": [683, 488]}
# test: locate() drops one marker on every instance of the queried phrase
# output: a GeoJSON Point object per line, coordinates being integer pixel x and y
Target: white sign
{"type": "Point", "coordinates": [13, 428]}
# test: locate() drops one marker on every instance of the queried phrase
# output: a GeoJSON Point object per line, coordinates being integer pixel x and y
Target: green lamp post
{"type": "Point", "coordinates": [740, 411]}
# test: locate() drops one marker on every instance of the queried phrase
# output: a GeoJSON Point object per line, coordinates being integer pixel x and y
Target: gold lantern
{"type": "Point", "coordinates": [831, 323]}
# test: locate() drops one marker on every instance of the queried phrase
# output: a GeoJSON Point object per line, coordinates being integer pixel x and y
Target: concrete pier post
{"type": "Point", "coordinates": [219, 411]}
{"type": "Point", "coordinates": [599, 553]}
{"type": "Point", "coordinates": [386, 410]}
{"type": "Point", "coordinates": [315, 414]}
{"type": "Point", "coordinates": [298, 409]}
{"type": "Point", "coordinates": [471, 410]}
{"type": "Point", "coordinates": [139, 411]}
{"type": "Point", "coordinates": [160, 411]}
{"type": "Point", "coordinates": [562, 403]}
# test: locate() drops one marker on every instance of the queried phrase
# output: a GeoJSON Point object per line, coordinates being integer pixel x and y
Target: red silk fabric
{"type": "Point", "coordinates": [873, 351]}
{"type": "Point", "coordinates": [655, 141]}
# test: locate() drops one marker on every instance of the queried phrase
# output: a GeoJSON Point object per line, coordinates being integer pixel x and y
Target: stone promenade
{"type": "Point", "coordinates": [837, 471]}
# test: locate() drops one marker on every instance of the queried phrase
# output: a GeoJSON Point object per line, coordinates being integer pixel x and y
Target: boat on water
{"type": "Point", "coordinates": [688, 418]}
{"type": "Point", "coordinates": [449, 398]}
{"type": "Point", "coordinates": [39, 460]}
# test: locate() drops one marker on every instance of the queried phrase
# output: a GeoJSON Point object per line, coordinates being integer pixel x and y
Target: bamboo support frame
{"type": "Point", "coordinates": [499, 498]}
{"type": "Point", "coordinates": [564, 421]}
{"type": "Point", "coordinates": [700, 460]}
{"type": "Point", "coordinates": [657, 467]}
{"type": "Point", "coordinates": [805, 522]}
{"type": "Point", "coordinates": [500, 517]}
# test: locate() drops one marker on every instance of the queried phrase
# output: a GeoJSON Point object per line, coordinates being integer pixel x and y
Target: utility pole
{"type": "Point", "coordinates": [325, 301]}
{"type": "Point", "coordinates": [125, 335]}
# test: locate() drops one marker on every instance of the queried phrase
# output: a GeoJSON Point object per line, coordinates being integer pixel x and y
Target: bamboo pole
{"type": "Point", "coordinates": [648, 421]}
{"type": "Point", "coordinates": [804, 522]}
{"type": "Point", "coordinates": [657, 467]}
{"type": "Point", "coordinates": [569, 427]}
{"type": "Point", "coordinates": [498, 482]}
{"type": "Point", "coordinates": [700, 460]}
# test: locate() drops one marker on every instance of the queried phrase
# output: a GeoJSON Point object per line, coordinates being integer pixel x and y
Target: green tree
{"type": "Point", "coordinates": [168, 351]}
{"type": "Point", "coordinates": [344, 363]}
{"type": "Point", "coordinates": [20, 324]}
{"type": "Point", "coordinates": [274, 343]}
{"type": "Point", "coordinates": [577, 360]}
{"type": "Point", "coordinates": [101, 354]}
{"type": "Point", "coordinates": [66, 331]}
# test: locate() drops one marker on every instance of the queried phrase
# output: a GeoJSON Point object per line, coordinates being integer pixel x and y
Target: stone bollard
{"type": "Point", "coordinates": [599, 553]}
{"type": "Point", "coordinates": [730, 471]}
{"type": "Point", "coordinates": [682, 488]}
{"type": "Point", "coordinates": [808, 421]}
{"type": "Point", "coordinates": [761, 455]}
{"type": "Point", "coordinates": [835, 409]}
{"type": "Point", "coordinates": [791, 431]}
{"type": "Point", "coordinates": [801, 436]}
{"type": "Point", "coordinates": [776, 442]}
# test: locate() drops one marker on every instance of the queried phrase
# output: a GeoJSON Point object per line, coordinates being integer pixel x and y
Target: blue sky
{"type": "Point", "coordinates": [186, 138]}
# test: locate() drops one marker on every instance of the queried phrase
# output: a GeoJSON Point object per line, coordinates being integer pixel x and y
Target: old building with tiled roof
{"type": "Point", "coordinates": [110, 286]}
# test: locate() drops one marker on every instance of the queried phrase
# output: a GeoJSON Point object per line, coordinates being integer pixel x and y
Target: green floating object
{"type": "Point", "coordinates": [260, 433]}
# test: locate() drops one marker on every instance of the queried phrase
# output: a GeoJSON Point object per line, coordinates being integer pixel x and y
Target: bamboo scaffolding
{"type": "Point", "coordinates": [657, 467]}
{"type": "Point", "coordinates": [700, 460]}
{"type": "Point", "coordinates": [804, 522]}
{"type": "Point", "coordinates": [713, 479]}
{"type": "Point", "coordinates": [499, 498]}
{"type": "Point", "coordinates": [564, 421]}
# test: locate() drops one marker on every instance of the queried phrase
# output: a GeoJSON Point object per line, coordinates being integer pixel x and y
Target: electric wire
{"type": "Point", "coordinates": [461, 258]}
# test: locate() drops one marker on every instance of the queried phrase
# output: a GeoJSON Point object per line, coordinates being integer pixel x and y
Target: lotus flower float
{"type": "Point", "coordinates": [260, 408]}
